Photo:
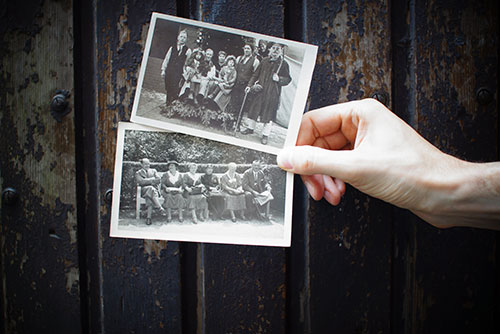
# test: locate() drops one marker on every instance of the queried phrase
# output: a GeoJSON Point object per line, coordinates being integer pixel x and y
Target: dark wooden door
{"type": "Point", "coordinates": [362, 267]}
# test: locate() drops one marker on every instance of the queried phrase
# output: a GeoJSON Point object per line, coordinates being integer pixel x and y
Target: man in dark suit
{"type": "Point", "coordinates": [257, 190]}
{"type": "Point", "coordinates": [149, 179]}
{"type": "Point", "coordinates": [172, 66]}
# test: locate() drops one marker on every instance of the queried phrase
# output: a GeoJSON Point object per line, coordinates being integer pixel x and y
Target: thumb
{"type": "Point", "coordinates": [309, 160]}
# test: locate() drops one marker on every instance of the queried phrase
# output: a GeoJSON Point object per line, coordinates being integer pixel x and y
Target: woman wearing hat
{"type": "Point", "coordinates": [196, 201]}
{"type": "Point", "coordinates": [172, 186]}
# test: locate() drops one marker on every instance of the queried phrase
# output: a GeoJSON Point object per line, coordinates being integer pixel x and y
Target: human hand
{"type": "Point", "coordinates": [257, 88]}
{"type": "Point", "coordinates": [366, 145]}
{"type": "Point", "coordinates": [163, 73]}
{"type": "Point", "coordinates": [276, 77]}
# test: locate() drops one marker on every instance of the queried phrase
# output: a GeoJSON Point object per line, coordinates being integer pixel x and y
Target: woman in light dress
{"type": "Point", "coordinates": [172, 187]}
{"type": "Point", "coordinates": [193, 190]}
{"type": "Point", "coordinates": [235, 195]}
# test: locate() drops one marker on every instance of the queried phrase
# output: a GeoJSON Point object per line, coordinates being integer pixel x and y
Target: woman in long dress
{"type": "Point", "coordinates": [235, 195]}
{"type": "Point", "coordinates": [212, 186]}
{"type": "Point", "coordinates": [172, 186]}
{"type": "Point", "coordinates": [193, 187]}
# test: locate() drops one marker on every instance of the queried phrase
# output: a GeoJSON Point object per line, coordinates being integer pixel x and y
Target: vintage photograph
{"type": "Point", "coordinates": [223, 84]}
{"type": "Point", "coordinates": [174, 186]}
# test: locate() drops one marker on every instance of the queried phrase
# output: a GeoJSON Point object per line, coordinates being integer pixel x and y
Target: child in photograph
{"type": "Point", "coordinates": [191, 75]}
{"type": "Point", "coordinates": [226, 82]}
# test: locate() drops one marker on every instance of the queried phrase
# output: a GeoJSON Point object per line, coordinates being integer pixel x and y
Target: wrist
{"type": "Point", "coordinates": [466, 194]}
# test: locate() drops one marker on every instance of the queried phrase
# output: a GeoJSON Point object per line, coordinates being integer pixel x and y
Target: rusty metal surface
{"type": "Point", "coordinates": [39, 272]}
{"type": "Point", "coordinates": [348, 247]}
{"type": "Point", "coordinates": [447, 280]}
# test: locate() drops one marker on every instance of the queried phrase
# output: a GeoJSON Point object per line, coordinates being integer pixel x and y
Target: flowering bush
{"type": "Point", "coordinates": [207, 116]}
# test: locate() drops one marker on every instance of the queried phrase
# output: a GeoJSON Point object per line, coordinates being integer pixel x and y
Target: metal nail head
{"type": "Point", "coordinates": [9, 196]}
{"type": "Point", "coordinates": [484, 96]}
{"type": "Point", "coordinates": [59, 106]}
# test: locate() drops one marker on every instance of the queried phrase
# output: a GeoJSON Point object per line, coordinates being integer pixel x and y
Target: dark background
{"type": "Point", "coordinates": [361, 267]}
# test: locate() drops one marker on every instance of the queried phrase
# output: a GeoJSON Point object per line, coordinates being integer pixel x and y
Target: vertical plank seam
{"type": "Point", "coordinates": [412, 105]}
{"type": "Point", "coordinates": [201, 288]}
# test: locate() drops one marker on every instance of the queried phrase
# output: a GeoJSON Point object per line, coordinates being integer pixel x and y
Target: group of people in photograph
{"type": "Point", "coordinates": [205, 196]}
{"type": "Point", "coordinates": [249, 83]}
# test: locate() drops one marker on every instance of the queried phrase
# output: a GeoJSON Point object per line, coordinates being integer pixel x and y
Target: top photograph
{"type": "Point", "coordinates": [222, 83]}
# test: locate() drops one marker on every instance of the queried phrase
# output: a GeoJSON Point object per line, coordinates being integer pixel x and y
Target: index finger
{"type": "Point", "coordinates": [329, 127]}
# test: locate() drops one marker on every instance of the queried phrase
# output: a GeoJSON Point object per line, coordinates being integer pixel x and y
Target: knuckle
{"type": "Point", "coordinates": [307, 162]}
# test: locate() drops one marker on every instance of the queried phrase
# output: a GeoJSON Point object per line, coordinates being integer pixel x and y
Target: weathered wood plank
{"type": "Point", "coordinates": [39, 272]}
{"type": "Point", "coordinates": [140, 278]}
{"type": "Point", "coordinates": [242, 289]}
{"type": "Point", "coordinates": [444, 280]}
{"type": "Point", "coordinates": [349, 246]}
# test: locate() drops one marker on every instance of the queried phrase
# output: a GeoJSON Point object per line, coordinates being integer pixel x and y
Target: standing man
{"type": "Point", "coordinates": [257, 190]}
{"type": "Point", "coordinates": [272, 74]}
{"type": "Point", "coordinates": [246, 65]}
{"type": "Point", "coordinates": [172, 66]}
{"type": "Point", "coordinates": [149, 179]}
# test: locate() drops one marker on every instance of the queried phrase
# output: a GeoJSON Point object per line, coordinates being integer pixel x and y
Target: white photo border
{"type": "Point", "coordinates": [299, 103]}
{"type": "Point", "coordinates": [115, 231]}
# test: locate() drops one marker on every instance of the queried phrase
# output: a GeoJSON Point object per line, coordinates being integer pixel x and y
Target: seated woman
{"type": "Point", "coordinates": [226, 79]}
{"type": "Point", "coordinates": [172, 186]}
{"type": "Point", "coordinates": [235, 195]}
{"type": "Point", "coordinates": [193, 187]}
{"type": "Point", "coordinates": [211, 183]}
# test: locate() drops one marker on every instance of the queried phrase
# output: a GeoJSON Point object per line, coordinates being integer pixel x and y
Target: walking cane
{"type": "Point", "coordinates": [239, 115]}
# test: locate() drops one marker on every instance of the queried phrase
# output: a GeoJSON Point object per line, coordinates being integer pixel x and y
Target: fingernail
{"type": "Point", "coordinates": [310, 188]}
{"type": "Point", "coordinates": [283, 160]}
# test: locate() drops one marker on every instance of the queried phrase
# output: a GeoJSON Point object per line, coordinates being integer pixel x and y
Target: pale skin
{"type": "Point", "coordinates": [366, 145]}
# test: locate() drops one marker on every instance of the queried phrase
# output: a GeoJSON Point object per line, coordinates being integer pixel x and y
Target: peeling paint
{"type": "Point", "coordinates": [154, 248]}
{"type": "Point", "coordinates": [72, 279]}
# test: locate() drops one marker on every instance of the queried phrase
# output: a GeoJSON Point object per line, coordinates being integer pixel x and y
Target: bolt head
{"type": "Point", "coordinates": [484, 96]}
{"type": "Point", "coordinates": [9, 196]}
{"type": "Point", "coordinates": [59, 103]}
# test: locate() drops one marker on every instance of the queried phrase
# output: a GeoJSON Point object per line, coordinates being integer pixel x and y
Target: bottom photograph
{"type": "Point", "coordinates": [173, 186]}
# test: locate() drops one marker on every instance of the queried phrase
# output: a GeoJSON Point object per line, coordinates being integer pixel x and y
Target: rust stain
{"type": "Point", "coordinates": [122, 26]}
{"type": "Point", "coordinates": [154, 248]}
{"type": "Point", "coordinates": [357, 55]}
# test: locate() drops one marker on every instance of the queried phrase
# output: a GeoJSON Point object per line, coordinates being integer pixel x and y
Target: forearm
{"type": "Point", "coordinates": [471, 197]}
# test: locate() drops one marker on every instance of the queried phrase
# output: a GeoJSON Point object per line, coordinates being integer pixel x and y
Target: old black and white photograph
{"type": "Point", "coordinates": [222, 83]}
{"type": "Point", "coordinates": [174, 186]}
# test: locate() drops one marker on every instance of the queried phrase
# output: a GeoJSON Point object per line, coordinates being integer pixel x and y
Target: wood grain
{"type": "Point", "coordinates": [40, 271]}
